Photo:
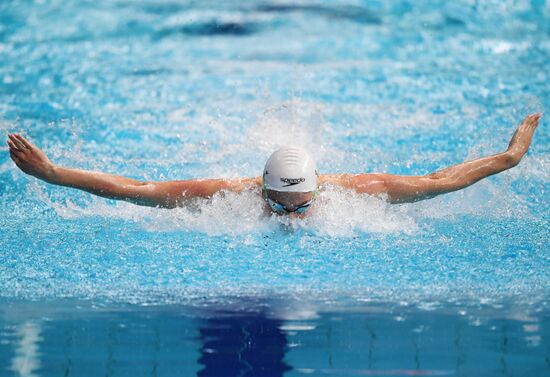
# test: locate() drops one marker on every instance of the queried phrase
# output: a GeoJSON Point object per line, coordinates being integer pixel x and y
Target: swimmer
{"type": "Point", "coordinates": [289, 182]}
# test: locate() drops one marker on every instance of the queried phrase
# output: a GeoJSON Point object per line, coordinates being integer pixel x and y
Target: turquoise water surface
{"type": "Point", "coordinates": [160, 90]}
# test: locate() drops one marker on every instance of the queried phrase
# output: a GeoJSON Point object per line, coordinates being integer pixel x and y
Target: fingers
{"type": "Point", "coordinates": [14, 158]}
{"type": "Point", "coordinates": [25, 142]}
{"type": "Point", "coordinates": [533, 120]}
{"type": "Point", "coordinates": [18, 143]}
{"type": "Point", "coordinates": [530, 123]}
{"type": "Point", "coordinates": [19, 149]}
{"type": "Point", "coordinates": [16, 155]}
{"type": "Point", "coordinates": [13, 147]}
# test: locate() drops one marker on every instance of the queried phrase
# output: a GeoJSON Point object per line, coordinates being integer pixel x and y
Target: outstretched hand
{"type": "Point", "coordinates": [520, 142]}
{"type": "Point", "coordinates": [29, 158]}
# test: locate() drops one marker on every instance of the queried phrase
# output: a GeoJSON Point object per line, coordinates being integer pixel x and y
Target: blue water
{"type": "Point", "coordinates": [176, 90]}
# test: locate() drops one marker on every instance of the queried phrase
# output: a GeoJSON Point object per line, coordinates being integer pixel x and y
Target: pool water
{"type": "Point", "coordinates": [457, 285]}
{"type": "Point", "coordinates": [247, 337]}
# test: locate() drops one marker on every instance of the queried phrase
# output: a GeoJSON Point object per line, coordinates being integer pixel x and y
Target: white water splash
{"type": "Point", "coordinates": [336, 213]}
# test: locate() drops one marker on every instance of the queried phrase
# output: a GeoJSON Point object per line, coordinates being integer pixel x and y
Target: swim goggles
{"type": "Point", "coordinates": [280, 208]}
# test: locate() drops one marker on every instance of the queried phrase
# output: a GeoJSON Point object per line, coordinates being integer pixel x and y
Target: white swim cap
{"type": "Point", "coordinates": [290, 169]}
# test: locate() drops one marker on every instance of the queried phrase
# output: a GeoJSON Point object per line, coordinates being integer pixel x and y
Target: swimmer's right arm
{"type": "Point", "coordinates": [31, 160]}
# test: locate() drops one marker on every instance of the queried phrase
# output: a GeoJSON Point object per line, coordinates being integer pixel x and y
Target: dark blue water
{"type": "Point", "coordinates": [250, 337]}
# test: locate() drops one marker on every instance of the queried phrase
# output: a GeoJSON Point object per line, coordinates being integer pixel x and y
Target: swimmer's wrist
{"type": "Point", "coordinates": [52, 174]}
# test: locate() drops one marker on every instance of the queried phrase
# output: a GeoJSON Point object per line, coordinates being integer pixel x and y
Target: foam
{"type": "Point", "coordinates": [388, 98]}
{"type": "Point", "coordinates": [336, 212]}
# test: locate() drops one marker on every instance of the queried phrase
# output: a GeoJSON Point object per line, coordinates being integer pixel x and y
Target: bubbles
{"type": "Point", "coordinates": [336, 213]}
{"type": "Point", "coordinates": [416, 91]}
{"type": "Point", "coordinates": [459, 245]}
{"type": "Point", "coordinates": [344, 213]}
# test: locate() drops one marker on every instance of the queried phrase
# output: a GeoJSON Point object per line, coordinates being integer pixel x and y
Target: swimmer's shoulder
{"type": "Point", "coordinates": [370, 183]}
{"type": "Point", "coordinates": [343, 180]}
{"type": "Point", "coordinates": [240, 184]}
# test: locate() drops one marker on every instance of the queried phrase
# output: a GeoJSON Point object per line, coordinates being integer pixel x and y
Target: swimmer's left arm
{"type": "Point", "coordinates": [403, 189]}
{"type": "Point", "coordinates": [31, 160]}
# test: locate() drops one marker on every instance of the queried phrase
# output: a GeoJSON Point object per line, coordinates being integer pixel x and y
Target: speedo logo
{"type": "Point", "coordinates": [292, 181]}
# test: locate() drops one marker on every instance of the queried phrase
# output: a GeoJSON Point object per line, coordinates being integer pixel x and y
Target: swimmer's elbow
{"type": "Point", "coordinates": [414, 189]}
{"type": "Point", "coordinates": [509, 159]}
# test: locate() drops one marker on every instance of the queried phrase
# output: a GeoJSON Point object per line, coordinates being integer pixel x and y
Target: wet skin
{"type": "Point", "coordinates": [170, 194]}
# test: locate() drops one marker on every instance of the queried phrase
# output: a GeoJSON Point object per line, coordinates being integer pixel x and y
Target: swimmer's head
{"type": "Point", "coordinates": [290, 180]}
